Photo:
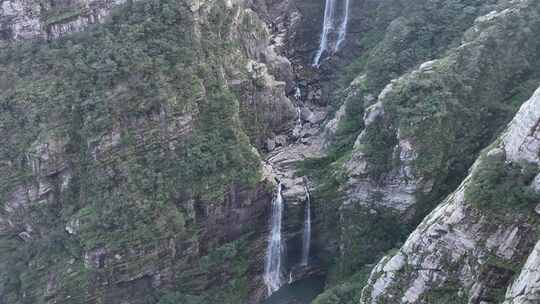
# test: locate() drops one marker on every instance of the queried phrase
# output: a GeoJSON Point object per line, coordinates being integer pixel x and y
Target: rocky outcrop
{"type": "Point", "coordinates": [392, 158]}
{"type": "Point", "coordinates": [525, 288]}
{"type": "Point", "coordinates": [50, 19]}
{"type": "Point", "coordinates": [394, 174]}
{"type": "Point", "coordinates": [467, 250]}
{"type": "Point", "coordinates": [418, 130]}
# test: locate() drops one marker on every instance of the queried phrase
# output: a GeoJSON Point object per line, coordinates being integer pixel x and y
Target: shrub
{"type": "Point", "coordinates": [497, 185]}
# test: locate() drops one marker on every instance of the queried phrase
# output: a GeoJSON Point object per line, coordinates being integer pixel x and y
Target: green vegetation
{"type": "Point", "coordinates": [178, 298]}
{"type": "Point", "coordinates": [448, 113]}
{"type": "Point", "coordinates": [346, 292]}
{"type": "Point", "coordinates": [506, 270]}
{"type": "Point", "coordinates": [445, 295]}
{"type": "Point", "coordinates": [416, 32]}
{"type": "Point", "coordinates": [378, 146]}
{"type": "Point", "coordinates": [130, 83]}
{"type": "Point", "coordinates": [54, 16]}
{"type": "Point", "coordinates": [348, 128]}
{"type": "Point", "coordinates": [497, 186]}
{"type": "Point", "coordinates": [380, 230]}
{"type": "Point", "coordinates": [230, 259]}
{"type": "Point", "coordinates": [357, 66]}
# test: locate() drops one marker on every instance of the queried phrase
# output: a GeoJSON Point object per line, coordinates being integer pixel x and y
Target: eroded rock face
{"type": "Point", "coordinates": [459, 252]}
{"type": "Point", "coordinates": [405, 152]}
{"type": "Point", "coordinates": [269, 74]}
{"type": "Point", "coordinates": [197, 249]}
{"type": "Point", "coordinates": [526, 289]}
{"type": "Point", "coordinates": [22, 19]}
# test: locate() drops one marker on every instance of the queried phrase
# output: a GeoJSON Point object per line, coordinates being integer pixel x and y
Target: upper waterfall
{"type": "Point", "coordinates": [334, 30]}
{"type": "Point", "coordinates": [342, 33]}
{"type": "Point", "coordinates": [274, 253]}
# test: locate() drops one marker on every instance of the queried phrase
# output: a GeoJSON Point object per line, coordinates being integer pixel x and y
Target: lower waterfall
{"type": "Point", "coordinates": [306, 236]}
{"type": "Point", "coordinates": [274, 253]}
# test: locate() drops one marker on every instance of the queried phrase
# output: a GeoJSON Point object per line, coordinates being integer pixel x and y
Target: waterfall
{"type": "Point", "coordinates": [290, 278]}
{"type": "Point", "coordinates": [306, 237]}
{"type": "Point", "coordinates": [298, 96]}
{"type": "Point", "coordinates": [327, 26]}
{"type": "Point", "coordinates": [336, 12]}
{"type": "Point", "coordinates": [343, 27]}
{"type": "Point", "coordinates": [272, 269]}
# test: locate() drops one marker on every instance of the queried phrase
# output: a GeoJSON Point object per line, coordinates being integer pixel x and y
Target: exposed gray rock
{"type": "Point", "coordinates": [283, 162]}
{"type": "Point", "coordinates": [281, 140]}
{"type": "Point", "coordinates": [254, 69]}
{"type": "Point", "coordinates": [373, 113]}
{"type": "Point", "coordinates": [95, 258]}
{"type": "Point", "coordinates": [526, 288]}
{"type": "Point", "coordinates": [73, 226]}
{"type": "Point", "coordinates": [270, 144]}
{"type": "Point", "coordinates": [314, 95]}
{"type": "Point", "coordinates": [331, 126]}
{"type": "Point", "coordinates": [20, 19]}
{"type": "Point", "coordinates": [29, 19]}
{"type": "Point", "coordinates": [400, 187]}
{"type": "Point", "coordinates": [520, 140]}
{"type": "Point", "coordinates": [453, 246]}
{"type": "Point", "coordinates": [403, 179]}
{"type": "Point", "coordinates": [306, 114]}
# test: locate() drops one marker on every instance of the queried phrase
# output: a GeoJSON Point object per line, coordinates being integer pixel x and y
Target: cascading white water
{"type": "Point", "coordinates": [274, 253]}
{"type": "Point", "coordinates": [297, 94]}
{"type": "Point", "coordinates": [306, 236]}
{"type": "Point", "coordinates": [327, 26]}
{"type": "Point", "coordinates": [290, 278]}
{"type": "Point", "coordinates": [342, 33]}
{"type": "Point", "coordinates": [336, 15]}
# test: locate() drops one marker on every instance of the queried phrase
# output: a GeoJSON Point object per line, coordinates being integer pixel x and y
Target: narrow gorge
{"type": "Point", "coordinates": [269, 152]}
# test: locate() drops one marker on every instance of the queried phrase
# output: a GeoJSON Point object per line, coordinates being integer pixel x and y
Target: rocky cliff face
{"type": "Point", "coordinates": [134, 154]}
{"type": "Point", "coordinates": [469, 250]}
{"type": "Point", "coordinates": [50, 19]}
{"type": "Point", "coordinates": [424, 136]}
{"type": "Point", "coordinates": [413, 120]}
{"type": "Point", "coordinates": [416, 136]}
